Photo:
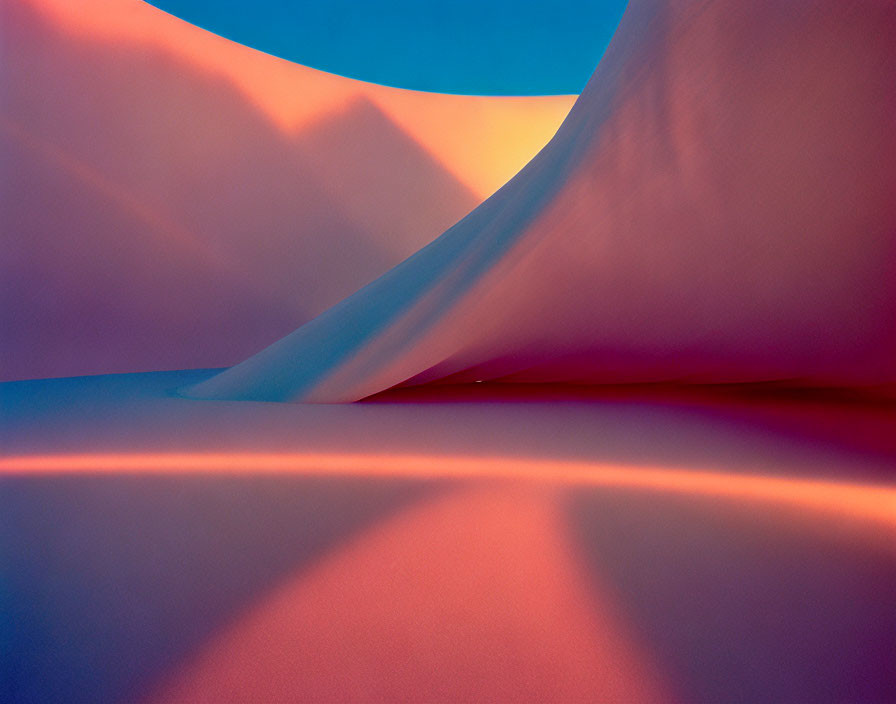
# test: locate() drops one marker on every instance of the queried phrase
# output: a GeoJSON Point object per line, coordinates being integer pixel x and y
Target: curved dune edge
{"type": "Point", "coordinates": [857, 501]}
{"type": "Point", "coordinates": [718, 207]}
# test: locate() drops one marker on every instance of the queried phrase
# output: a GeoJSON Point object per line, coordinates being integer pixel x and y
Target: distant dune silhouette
{"type": "Point", "coordinates": [718, 207]}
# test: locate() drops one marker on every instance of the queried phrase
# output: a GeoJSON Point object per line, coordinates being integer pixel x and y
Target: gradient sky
{"type": "Point", "coordinates": [484, 47]}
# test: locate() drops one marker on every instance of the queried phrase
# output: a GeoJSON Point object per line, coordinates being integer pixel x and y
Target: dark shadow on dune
{"type": "Point", "coordinates": [156, 219]}
{"type": "Point", "coordinates": [108, 582]}
{"type": "Point", "coordinates": [746, 605]}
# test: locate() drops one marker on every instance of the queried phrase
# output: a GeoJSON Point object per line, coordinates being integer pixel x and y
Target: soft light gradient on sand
{"type": "Point", "coordinates": [870, 503]}
{"type": "Point", "coordinates": [718, 207]}
{"type": "Point", "coordinates": [482, 140]}
{"type": "Point", "coordinates": [174, 200]}
{"type": "Point", "coordinates": [527, 627]}
{"type": "Point", "coordinates": [448, 544]}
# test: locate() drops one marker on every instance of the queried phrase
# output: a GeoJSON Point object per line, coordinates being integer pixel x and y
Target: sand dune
{"type": "Point", "coordinates": [719, 206]}
{"type": "Point", "coordinates": [159, 216]}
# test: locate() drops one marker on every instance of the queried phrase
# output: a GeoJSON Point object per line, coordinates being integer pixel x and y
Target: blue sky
{"type": "Point", "coordinates": [488, 47]}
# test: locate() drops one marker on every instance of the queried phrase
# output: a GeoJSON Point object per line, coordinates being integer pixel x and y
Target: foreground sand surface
{"type": "Point", "coordinates": [446, 544]}
{"type": "Point", "coordinates": [178, 200]}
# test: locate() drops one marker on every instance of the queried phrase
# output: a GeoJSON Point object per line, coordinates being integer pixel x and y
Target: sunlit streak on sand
{"type": "Point", "coordinates": [859, 501]}
{"type": "Point", "coordinates": [475, 597]}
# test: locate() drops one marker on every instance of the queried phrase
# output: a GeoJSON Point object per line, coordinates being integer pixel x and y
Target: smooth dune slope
{"type": "Point", "coordinates": [156, 214]}
{"type": "Point", "coordinates": [718, 207]}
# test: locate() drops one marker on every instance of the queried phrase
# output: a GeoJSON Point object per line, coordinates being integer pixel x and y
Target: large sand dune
{"type": "Point", "coordinates": [451, 543]}
{"type": "Point", "coordinates": [719, 206]}
{"type": "Point", "coordinates": [165, 206]}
